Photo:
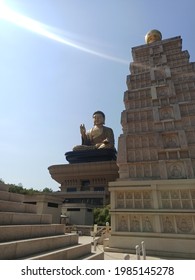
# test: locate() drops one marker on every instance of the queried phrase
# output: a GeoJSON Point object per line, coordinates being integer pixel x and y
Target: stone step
{"type": "Point", "coordinates": [18, 232]}
{"type": "Point", "coordinates": [23, 248]}
{"type": "Point", "coordinates": [8, 196]}
{"type": "Point", "coordinates": [12, 218]}
{"type": "Point", "coordinates": [10, 206]}
{"type": "Point", "coordinates": [68, 253]}
{"type": "Point", "coordinates": [93, 256]}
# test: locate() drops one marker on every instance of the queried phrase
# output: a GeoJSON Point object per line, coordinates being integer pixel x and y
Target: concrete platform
{"type": "Point", "coordinates": [23, 248]}
{"type": "Point", "coordinates": [8, 196]}
{"type": "Point", "coordinates": [111, 255]}
{"type": "Point", "coordinates": [19, 207]}
{"type": "Point", "coordinates": [18, 232]}
{"type": "Point", "coordinates": [24, 234]}
{"type": "Point", "coordinates": [76, 252]}
{"type": "Point", "coordinates": [13, 218]}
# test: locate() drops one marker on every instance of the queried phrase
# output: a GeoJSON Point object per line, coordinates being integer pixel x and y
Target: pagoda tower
{"type": "Point", "coordinates": [154, 198]}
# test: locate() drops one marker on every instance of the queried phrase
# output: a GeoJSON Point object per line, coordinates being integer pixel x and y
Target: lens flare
{"type": "Point", "coordinates": [44, 30]}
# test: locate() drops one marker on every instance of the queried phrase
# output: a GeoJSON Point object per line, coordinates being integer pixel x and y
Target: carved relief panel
{"type": "Point", "coordinates": [155, 170]}
{"type": "Point", "coordinates": [135, 224]}
{"type": "Point", "coordinates": [166, 113]}
{"type": "Point", "coordinates": [173, 224]}
{"type": "Point", "coordinates": [144, 140]}
{"type": "Point", "coordinates": [192, 120]}
{"type": "Point", "coordinates": [139, 171]}
{"type": "Point", "coordinates": [184, 224]}
{"type": "Point", "coordinates": [162, 91]}
{"type": "Point", "coordinates": [131, 156]}
{"type": "Point", "coordinates": [153, 155]}
{"type": "Point", "coordinates": [147, 224]}
{"type": "Point", "coordinates": [147, 171]}
{"type": "Point", "coordinates": [138, 155]}
{"type": "Point", "coordinates": [147, 200]}
{"type": "Point", "coordinates": [120, 200]}
{"type": "Point", "coordinates": [170, 141]}
{"type": "Point", "coordinates": [132, 171]}
{"type": "Point", "coordinates": [138, 202]}
{"type": "Point", "coordinates": [165, 199]}
{"type": "Point", "coordinates": [168, 225]}
{"type": "Point", "coordinates": [177, 199]}
{"type": "Point", "coordinates": [190, 136]}
{"type": "Point", "coordinates": [186, 201]}
{"type": "Point", "coordinates": [122, 223]}
{"type": "Point", "coordinates": [134, 199]}
{"type": "Point", "coordinates": [146, 154]}
{"type": "Point", "coordinates": [129, 200]}
{"type": "Point", "coordinates": [152, 141]}
{"type": "Point", "coordinates": [193, 198]}
{"type": "Point", "coordinates": [176, 170]}
{"type": "Point", "coordinates": [169, 125]}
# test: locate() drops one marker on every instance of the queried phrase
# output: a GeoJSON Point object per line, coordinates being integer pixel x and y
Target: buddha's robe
{"type": "Point", "coordinates": [97, 138]}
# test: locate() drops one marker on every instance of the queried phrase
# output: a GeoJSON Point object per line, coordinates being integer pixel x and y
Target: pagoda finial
{"type": "Point", "coordinates": [153, 36]}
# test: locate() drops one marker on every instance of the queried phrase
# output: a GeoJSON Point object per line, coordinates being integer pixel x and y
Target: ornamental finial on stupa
{"type": "Point", "coordinates": [153, 36]}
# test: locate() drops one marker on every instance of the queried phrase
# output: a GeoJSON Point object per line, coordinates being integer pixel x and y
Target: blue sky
{"type": "Point", "coordinates": [61, 60]}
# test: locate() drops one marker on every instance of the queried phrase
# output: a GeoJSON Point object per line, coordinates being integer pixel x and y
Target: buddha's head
{"type": "Point", "coordinates": [99, 118]}
{"type": "Point", "coordinates": [153, 36]}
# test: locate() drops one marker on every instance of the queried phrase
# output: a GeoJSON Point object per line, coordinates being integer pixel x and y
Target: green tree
{"type": "Point", "coordinates": [47, 190]}
{"type": "Point", "coordinates": [20, 189]}
{"type": "Point", "coordinates": [102, 215]}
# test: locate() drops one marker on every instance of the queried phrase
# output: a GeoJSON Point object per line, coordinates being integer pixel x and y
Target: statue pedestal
{"type": "Point", "coordinates": [85, 182]}
{"type": "Point", "coordinates": [91, 155]}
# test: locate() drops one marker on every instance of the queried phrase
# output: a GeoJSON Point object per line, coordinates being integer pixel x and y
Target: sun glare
{"type": "Point", "coordinates": [39, 28]}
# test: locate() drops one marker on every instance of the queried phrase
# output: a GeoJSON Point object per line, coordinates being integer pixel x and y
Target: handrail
{"type": "Point", "coordinates": [102, 230]}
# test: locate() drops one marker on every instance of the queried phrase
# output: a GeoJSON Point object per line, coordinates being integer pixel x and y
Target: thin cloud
{"type": "Point", "coordinates": [39, 28]}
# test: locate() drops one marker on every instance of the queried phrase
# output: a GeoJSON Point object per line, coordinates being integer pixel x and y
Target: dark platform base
{"type": "Point", "coordinates": [91, 155]}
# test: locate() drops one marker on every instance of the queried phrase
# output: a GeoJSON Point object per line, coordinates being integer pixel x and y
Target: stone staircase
{"type": "Point", "coordinates": [27, 235]}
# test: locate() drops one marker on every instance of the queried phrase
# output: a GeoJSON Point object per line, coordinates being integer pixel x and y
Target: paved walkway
{"type": "Point", "coordinates": [112, 255]}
